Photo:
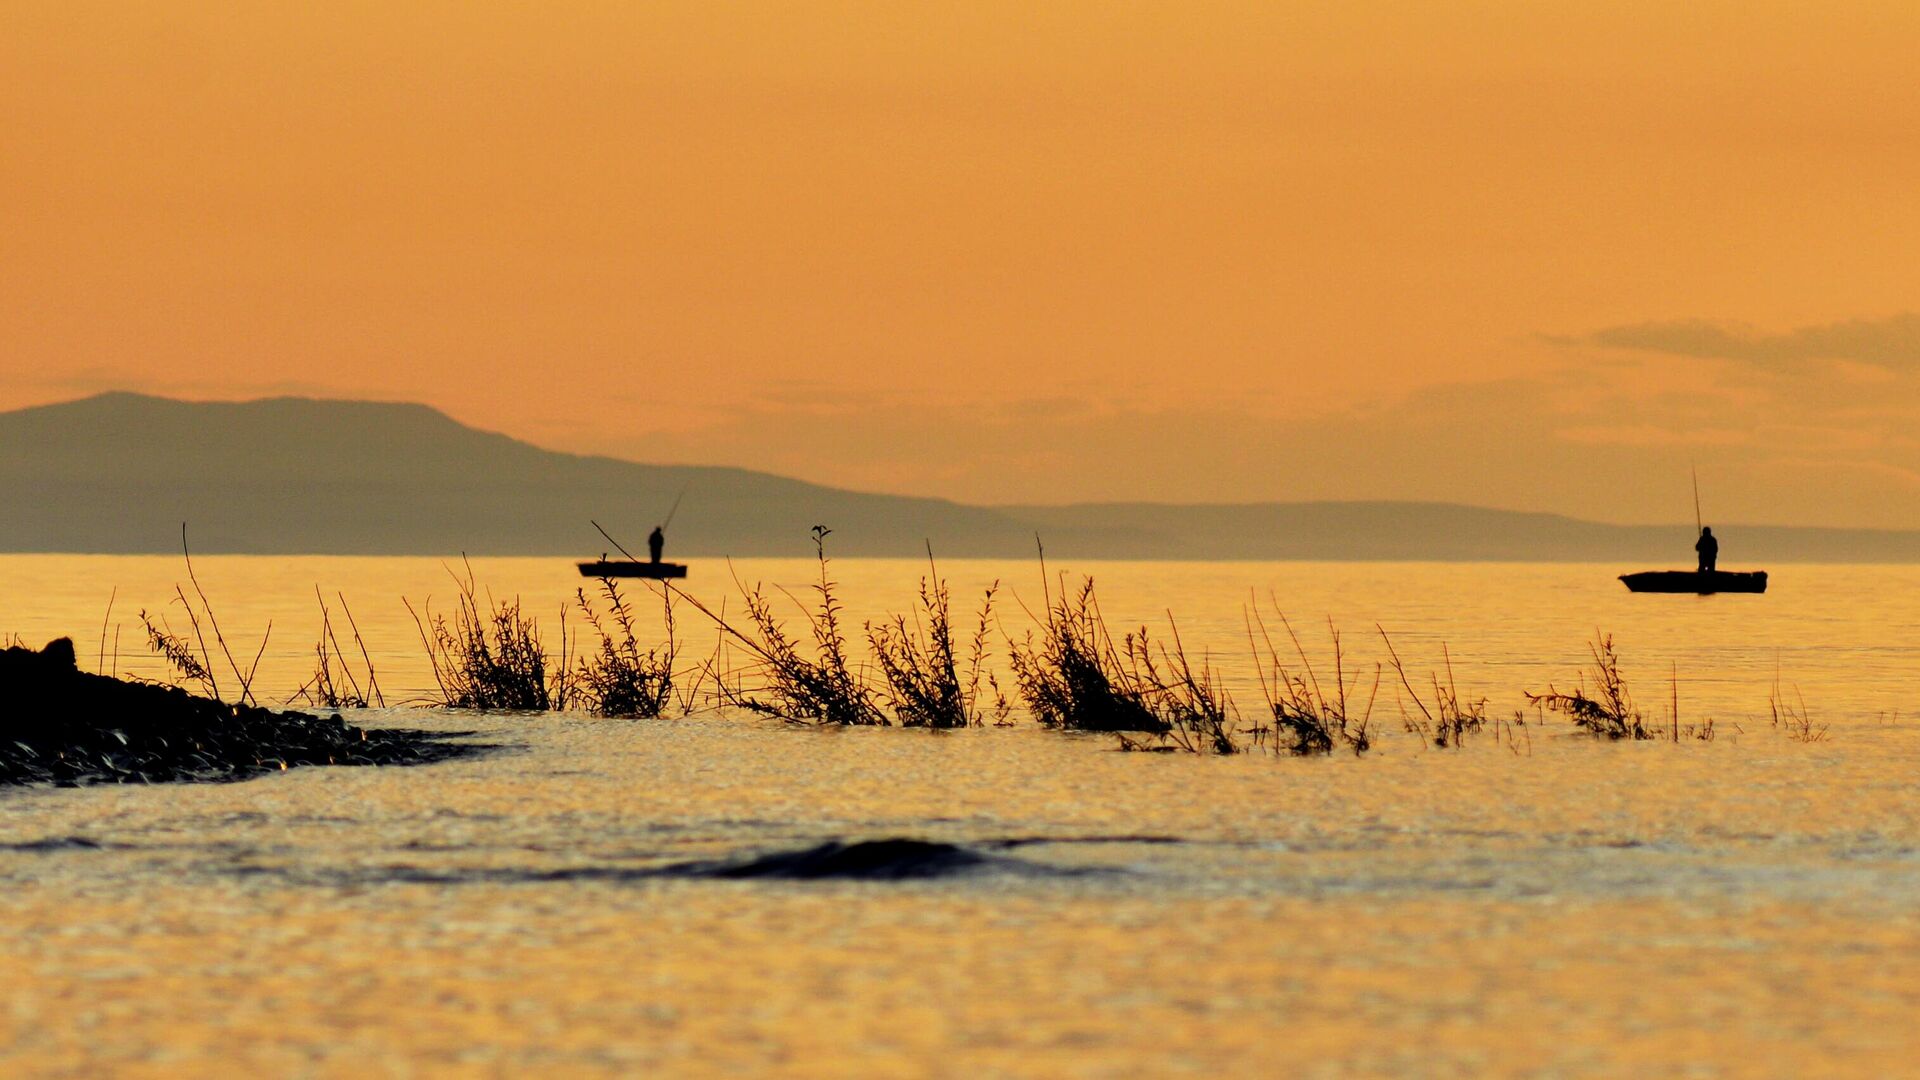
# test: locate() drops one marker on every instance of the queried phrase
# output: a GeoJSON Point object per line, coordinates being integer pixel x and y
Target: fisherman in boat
{"type": "Point", "coordinates": [657, 543]}
{"type": "Point", "coordinates": [1708, 548]}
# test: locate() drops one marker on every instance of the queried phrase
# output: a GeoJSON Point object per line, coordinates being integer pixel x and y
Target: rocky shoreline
{"type": "Point", "coordinates": [63, 726]}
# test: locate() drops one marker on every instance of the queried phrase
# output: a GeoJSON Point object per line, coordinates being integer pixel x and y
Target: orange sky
{"type": "Point", "coordinates": [1521, 254]}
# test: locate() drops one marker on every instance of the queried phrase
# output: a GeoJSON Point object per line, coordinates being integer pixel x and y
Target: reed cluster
{"type": "Point", "coordinates": [786, 682]}
{"type": "Point", "coordinates": [1791, 717]}
{"type": "Point", "coordinates": [1451, 718]}
{"type": "Point", "coordinates": [1199, 716]}
{"type": "Point", "coordinates": [923, 682]}
{"type": "Point", "coordinates": [491, 656]}
{"type": "Point", "coordinates": [1306, 717]}
{"type": "Point", "coordinates": [622, 680]}
{"type": "Point", "coordinates": [190, 659]}
{"type": "Point", "coordinates": [1069, 669]}
{"type": "Point", "coordinates": [335, 683]}
{"type": "Point", "coordinates": [1074, 678]}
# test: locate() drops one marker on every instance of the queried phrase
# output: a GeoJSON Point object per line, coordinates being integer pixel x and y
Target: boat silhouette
{"type": "Point", "coordinates": [1702, 582]}
{"type": "Point", "coordinates": [1705, 581]}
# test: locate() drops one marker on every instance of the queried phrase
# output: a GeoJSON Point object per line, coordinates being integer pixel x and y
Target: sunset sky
{"type": "Point", "coordinates": [1530, 255]}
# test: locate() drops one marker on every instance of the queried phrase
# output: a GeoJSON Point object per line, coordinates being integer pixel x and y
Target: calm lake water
{"type": "Point", "coordinates": [1749, 906]}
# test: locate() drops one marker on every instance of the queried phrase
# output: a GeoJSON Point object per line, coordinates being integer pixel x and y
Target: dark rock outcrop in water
{"type": "Point", "coordinates": [867, 860]}
{"type": "Point", "coordinates": [64, 726]}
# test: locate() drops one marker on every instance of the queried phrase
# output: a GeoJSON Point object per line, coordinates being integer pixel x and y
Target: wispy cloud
{"type": "Point", "coordinates": [1892, 342]}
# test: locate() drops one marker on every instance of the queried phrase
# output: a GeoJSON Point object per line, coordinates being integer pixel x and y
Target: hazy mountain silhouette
{"type": "Point", "coordinates": [120, 472]}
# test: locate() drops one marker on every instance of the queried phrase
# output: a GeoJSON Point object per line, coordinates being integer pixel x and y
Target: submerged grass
{"type": "Point", "coordinates": [1070, 671]}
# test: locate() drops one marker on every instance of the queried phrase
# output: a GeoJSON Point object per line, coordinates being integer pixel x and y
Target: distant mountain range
{"type": "Point", "coordinates": [118, 473]}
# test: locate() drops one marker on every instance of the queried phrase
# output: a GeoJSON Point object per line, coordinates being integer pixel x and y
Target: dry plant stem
{"type": "Point", "coordinates": [689, 691]}
{"type": "Point", "coordinates": [101, 665]}
{"type": "Point", "coordinates": [179, 655]}
{"type": "Point", "coordinates": [206, 661]}
{"type": "Point", "coordinates": [977, 659]}
{"type": "Point", "coordinates": [246, 681]}
{"type": "Point", "coordinates": [323, 689]}
{"type": "Point", "coordinates": [373, 682]}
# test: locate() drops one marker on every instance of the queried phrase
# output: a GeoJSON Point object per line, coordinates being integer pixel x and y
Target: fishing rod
{"type": "Point", "coordinates": [663, 526]}
{"type": "Point", "coordinates": [675, 509]}
{"type": "Point", "coordinates": [612, 541]}
{"type": "Point", "coordinates": [1698, 526]}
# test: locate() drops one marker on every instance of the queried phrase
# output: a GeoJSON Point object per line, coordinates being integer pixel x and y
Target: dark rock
{"type": "Point", "coordinates": [64, 726]}
{"type": "Point", "coordinates": [54, 843]}
{"type": "Point", "coordinates": [867, 860]}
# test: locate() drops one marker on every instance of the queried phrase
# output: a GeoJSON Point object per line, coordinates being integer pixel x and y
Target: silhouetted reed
{"type": "Point", "coordinates": [335, 684]}
{"type": "Point", "coordinates": [1074, 678]}
{"type": "Point", "coordinates": [1791, 717]}
{"type": "Point", "coordinates": [1307, 719]}
{"type": "Point", "coordinates": [622, 680]}
{"type": "Point", "coordinates": [1199, 716]}
{"type": "Point", "coordinates": [822, 690]}
{"type": "Point", "coordinates": [492, 657]}
{"type": "Point", "coordinates": [193, 661]}
{"type": "Point", "coordinates": [180, 656]}
{"type": "Point", "coordinates": [924, 686]}
{"type": "Point", "coordinates": [1450, 720]}
{"type": "Point", "coordinates": [1609, 711]}
{"type": "Point", "coordinates": [100, 665]}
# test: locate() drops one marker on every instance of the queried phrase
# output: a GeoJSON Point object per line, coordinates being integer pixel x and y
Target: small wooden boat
{"type": "Point", "coordinates": [630, 568]}
{"type": "Point", "coordinates": [1702, 582]}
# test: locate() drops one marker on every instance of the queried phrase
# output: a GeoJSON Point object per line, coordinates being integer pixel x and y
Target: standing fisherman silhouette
{"type": "Point", "coordinates": [1708, 548]}
{"type": "Point", "coordinates": [657, 542]}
